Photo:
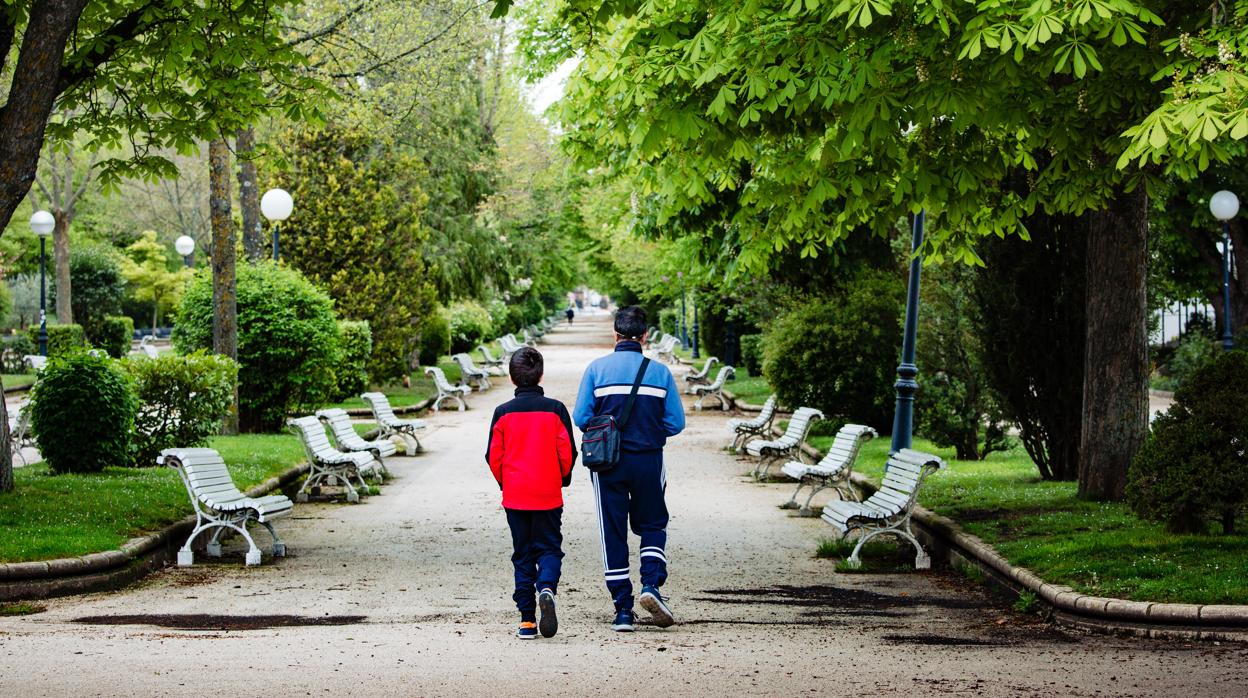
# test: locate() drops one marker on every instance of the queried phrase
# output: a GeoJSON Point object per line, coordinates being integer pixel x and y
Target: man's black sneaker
{"type": "Point", "coordinates": [657, 607]}
{"type": "Point", "coordinates": [527, 630]}
{"type": "Point", "coordinates": [549, 623]}
{"type": "Point", "coordinates": [623, 622]}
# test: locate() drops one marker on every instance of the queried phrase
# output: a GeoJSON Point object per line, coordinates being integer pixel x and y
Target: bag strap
{"type": "Point", "coordinates": [632, 395]}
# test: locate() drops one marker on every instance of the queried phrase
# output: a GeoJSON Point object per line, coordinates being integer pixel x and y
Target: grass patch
{"type": "Point", "coordinates": [421, 389]}
{"type": "Point", "coordinates": [21, 608]}
{"type": "Point", "coordinates": [876, 556]}
{"type": "Point", "coordinates": [17, 380]}
{"type": "Point", "coordinates": [50, 516]}
{"type": "Point", "coordinates": [1098, 548]}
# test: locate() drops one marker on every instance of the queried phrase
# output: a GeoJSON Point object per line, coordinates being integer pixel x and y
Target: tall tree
{"type": "Point", "coordinates": [818, 119]}
{"type": "Point", "coordinates": [63, 177]}
{"type": "Point", "coordinates": [224, 284]}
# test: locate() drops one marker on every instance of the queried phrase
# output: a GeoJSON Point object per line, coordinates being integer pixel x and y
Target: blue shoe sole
{"type": "Point", "coordinates": [549, 624]}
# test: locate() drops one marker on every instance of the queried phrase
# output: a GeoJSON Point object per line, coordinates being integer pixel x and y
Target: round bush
{"type": "Point", "coordinates": [1194, 466]}
{"type": "Point", "coordinates": [435, 339]}
{"type": "Point", "coordinates": [470, 324]}
{"type": "Point", "coordinates": [839, 354]}
{"type": "Point", "coordinates": [752, 353]}
{"type": "Point", "coordinates": [82, 414]}
{"type": "Point", "coordinates": [288, 344]}
{"type": "Point", "coordinates": [183, 399]}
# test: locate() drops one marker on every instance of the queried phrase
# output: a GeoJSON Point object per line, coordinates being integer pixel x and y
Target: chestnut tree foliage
{"type": "Point", "coordinates": [766, 126]}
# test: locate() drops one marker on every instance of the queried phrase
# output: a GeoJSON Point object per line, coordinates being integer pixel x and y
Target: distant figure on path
{"type": "Point", "coordinates": [633, 491]}
{"type": "Point", "coordinates": [531, 454]}
{"type": "Point", "coordinates": [569, 313]}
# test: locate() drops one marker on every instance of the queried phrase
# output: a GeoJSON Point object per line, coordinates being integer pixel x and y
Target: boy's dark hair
{"type": "Point", "coordinates": [526, 367]}
{"type": "Point", "coordinates": [630, 322]}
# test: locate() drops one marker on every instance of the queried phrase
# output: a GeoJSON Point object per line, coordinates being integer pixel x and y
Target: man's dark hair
{"type": "Point", "coordinates": [630, 322]}
{"type": "Point", "coordinates": [526, 367]}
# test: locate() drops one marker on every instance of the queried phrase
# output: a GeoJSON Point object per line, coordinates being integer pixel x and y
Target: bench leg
{"type": "Point", "coordinates": [213, 549]}
{"type": "Point", "coordinates": [279, 548]}
{"type": "Point", "coordinates": [805, 510]}
{"type": "Point", "coordinates": [462, 405]}
{"type": "Point", "coordinates": [792, 503]}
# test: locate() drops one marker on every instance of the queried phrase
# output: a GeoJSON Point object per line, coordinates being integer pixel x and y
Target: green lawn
{"type": "Point", "coordinates": [1097, 548]}
{"type": "Point", "coordinates": [18, 380]}
{"type": "Point", "coordinates": [422, 387]}
{"type": "Point", "coordinates": [49, 516]}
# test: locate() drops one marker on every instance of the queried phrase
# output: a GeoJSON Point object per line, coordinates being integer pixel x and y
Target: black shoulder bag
{"type": "Point", "coordinates": [600, 444]}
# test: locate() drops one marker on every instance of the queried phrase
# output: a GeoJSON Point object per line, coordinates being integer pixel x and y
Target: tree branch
{"type": "Point", "coordinates": [404, 54]}
{"type": "Point", "coordinates": [329, 28]}
{"type": "Point", "coordinates": [85, 61]}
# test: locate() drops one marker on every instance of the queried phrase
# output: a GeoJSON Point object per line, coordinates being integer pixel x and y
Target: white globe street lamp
{"type": "Point", "coordinates": [185, 246]}
{"type": "Point", "coordinates": [276, 205]}
{"type": "Point", "coordinates": [41, 224]}
{"type": "Point", "coordinates": [1224, 206]}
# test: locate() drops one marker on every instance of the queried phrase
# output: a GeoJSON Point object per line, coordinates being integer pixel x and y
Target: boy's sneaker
{"type": "Point", "coordinates": [527, 630]}
{"type": "Point", "coordinates": [546, 603]}
{"type": "Point", "coordinates": [623, 622]}
{"type": "Point", "coordinates": [656, 605]}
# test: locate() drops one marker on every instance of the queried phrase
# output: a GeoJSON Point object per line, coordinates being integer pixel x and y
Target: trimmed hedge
{"type": "Point", "coordinates": [62, 339]}
{"type": "Point", "coordinates": [183, 400]}
{"type": "Point", "coordinates": [357, 350]}
{"type": "Point", "coordinates": [117, 333]}
{"type": "Point", "coordinates": [1193, 468]}
{"type": "Point", "coordinates": [752, 354]}
{"type": "Point", "coordinates": [82, 414]}
{"type": "Point", "coordinates": [288, 345]}
{"type": "Point", "coordinates": [435, 339]}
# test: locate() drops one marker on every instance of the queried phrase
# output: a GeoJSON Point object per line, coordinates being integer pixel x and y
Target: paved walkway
{"type": "Point", "coordinates": [408, 593]}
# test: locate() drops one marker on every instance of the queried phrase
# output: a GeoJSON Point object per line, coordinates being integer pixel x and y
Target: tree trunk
{"type": "Point", "coordinates": [249, 193]}
{"type": "Point", "coordinates": [60, 255]}
{"type": "Point", "coordinates": [31, 96]}
{"type": "Point", "coordinates": [6, 447]}
{"type": "Point", "coordinates": [224, 289]}
{"type": "Point", "coordinates": [1115, 388]}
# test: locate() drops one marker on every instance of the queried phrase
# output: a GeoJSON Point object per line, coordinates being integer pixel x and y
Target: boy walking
{"type": "Point", "coordinates": [531, 455]}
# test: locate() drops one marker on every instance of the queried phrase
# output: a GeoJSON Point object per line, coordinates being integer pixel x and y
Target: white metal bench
{"type": "Point", "coordinates": [666, 349]}
{"type": "Point", "coordinates": [715, 389]}
{"type": "Point", "coordinates": [888, 510]}
{"type": "Point", "coordinates": [832, 471]}
{"type": "Point", "coordinates": [510, 346]}
{"type": "Point", "coordinates": [220, 506]}
{"type": "Point", "coordinates": [788, 445]}
{"type": "Point", "coordinates": [35, 361]}
{"type": "Point", "coordinates": [472, 375]}
{"type": "Point", "coordinates": [19, 431]}
{"type": "Point", "coordinates": [347, 439]}
{"type": "Point", "coordinates": [760, 425]}
{"type": "Point", "coordinates": [147, 345]}
{"type": "Point", "coordinates": [492, 363]}
{"type": "Point", "coordinates": [327, 464]}
{"type": "Point", "coordinates": [446, 391]}
{"type": "Point", "coordinates": [391, 425]}
{"type": "Point", "coordinates": [702, 376]}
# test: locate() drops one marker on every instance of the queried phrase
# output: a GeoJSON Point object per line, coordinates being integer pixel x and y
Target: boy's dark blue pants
{"type": "Point", "coordinates": [632, 493]}
{"type": "Point", "coordinates": [537, 555]}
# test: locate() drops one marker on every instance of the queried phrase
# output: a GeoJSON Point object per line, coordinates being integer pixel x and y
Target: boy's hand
{"type": "Point", "coordinates": [567, 479]}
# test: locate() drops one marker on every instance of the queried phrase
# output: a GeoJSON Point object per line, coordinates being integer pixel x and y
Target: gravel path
{"type": "Point", "coordinates": [408, 593]}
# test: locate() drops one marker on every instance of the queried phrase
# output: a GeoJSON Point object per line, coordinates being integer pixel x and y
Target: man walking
{"type": "Point", "coordinates": [633, 491]}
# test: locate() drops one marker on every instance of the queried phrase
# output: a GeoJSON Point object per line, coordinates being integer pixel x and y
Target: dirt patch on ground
{"type": "Point", "coordinates": [833, 598]}
{"type": "Point", "coordinates": [203, 621]}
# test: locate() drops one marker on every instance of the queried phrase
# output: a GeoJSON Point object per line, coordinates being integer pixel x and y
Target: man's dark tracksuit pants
{"type": "Point", "coordinates": [632, 492]}
{"type": "Point", "coordinates": [537, 555]}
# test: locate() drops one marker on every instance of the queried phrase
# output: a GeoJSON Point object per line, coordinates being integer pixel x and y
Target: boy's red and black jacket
{"type": "Point", "coordinates": [531, 450]}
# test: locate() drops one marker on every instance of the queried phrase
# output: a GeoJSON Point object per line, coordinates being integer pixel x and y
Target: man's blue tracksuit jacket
{"type": "Point", "coordinates": [634, 489]}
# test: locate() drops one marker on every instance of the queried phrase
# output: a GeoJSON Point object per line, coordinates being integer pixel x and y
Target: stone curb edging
{"type": "Point", "coordinates": [97, 571]}
{"type": "Point", "coordinates": [1071, 608]}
